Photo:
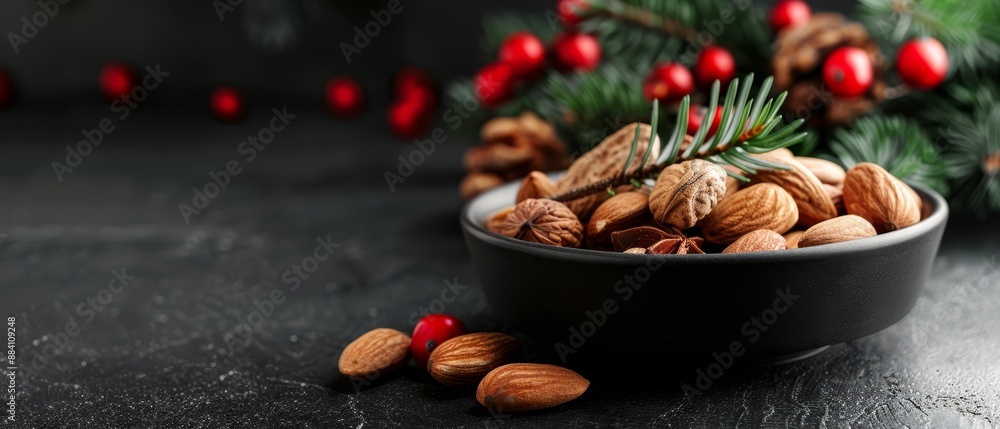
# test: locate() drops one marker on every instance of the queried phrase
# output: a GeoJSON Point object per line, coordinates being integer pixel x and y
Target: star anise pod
{"type": "Point", "coordinates": [678, 246]}
{"type": "Point", "coordinates": [656, 241]}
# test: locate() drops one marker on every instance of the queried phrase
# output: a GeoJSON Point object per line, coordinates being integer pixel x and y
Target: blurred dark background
{"type": "Point", "coordinates": [270, 48]}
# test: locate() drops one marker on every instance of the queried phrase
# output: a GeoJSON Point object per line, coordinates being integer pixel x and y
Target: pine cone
{"type": "Point", "coordinates": [798, 62]}
{"type": "Point", "coordinates": [512, 147]}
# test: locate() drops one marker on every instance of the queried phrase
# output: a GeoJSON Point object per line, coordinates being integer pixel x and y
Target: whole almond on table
{"type": "Point", "coordinates": [529, 386]}
{"type": "Point", "coordinates": [763, 206]}
{"type": "Point", "coordinates": [543, 221]}
{"type": "Point", "coordinates": [606, 161]}
{"type": "Point", "coordinates": [810, 196]}
{"type": "Point", "coordinates": [536, 185]}
{"type": "Point", "coordinates": [622, 211]}
{"type": "Point", "coordinates": [792, 239]}
{"type": "Point", "coordinates": [376, 352]}
{"type": "Point", "coordinates": [827, 172]}
{"type": "Point", "coordinates": [836, 230]}
{"type": "Point", "coordinates": [761, 240]}
{"type": "Point", "coordinates": [878, 197]}
{"type": "Point", "coordinates": [687, 192]}
{"type": "Point", "coordinates": [466, 359]}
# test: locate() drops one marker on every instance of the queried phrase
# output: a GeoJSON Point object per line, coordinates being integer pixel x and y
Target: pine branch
{"type": "Point", "coordinates": [746, 127]}
{"type": "Point", "coordinates": [898, 144]}
{"type": "Point", "coordinates": [969, 30]}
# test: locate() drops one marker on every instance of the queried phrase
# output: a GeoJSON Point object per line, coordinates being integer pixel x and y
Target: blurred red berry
{"type": "Point", "coordinates": [576, 52]}
{"type": "Point", "coordinates": [227, 104]}
{"type": "Point", "coordinates": [922, 63]}
{"type": "Point", "coordinates": [847, 72]}
{"type": "Point", "coordinates": [789, 13]}
{"type": "Point", "coordinates": [116, 80]}
{"type": "Point", "coordinates": [714, 63]}
{"type": "Point", "coordinates": [523, 52]}
{"type": "Point", "coordinates": [668, 82]}
{"type": "Point", "coordinates": [494, 84]}
{"type": "Point", "coordinates": [344, 97]}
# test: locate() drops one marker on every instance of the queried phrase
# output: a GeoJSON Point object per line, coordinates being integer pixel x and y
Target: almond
{"type": "Point", "coordinates": [792, 239]}
{"type": "Point", "coordinates": [529, 386]}
{"type": "Point", "coordinates": [622, 211]}
{"type": "Point", "coordinates": [466, 359]}
{"type": "Point", "coordinates": [836, 230]}
{"type": "Point", "coordinates": [878, 197]}
{"type": "Point", "coordinates": [761, 240]}
{"type": "Point", "coordinates": [377, 352]}
{"type": "Point", "coordinates": [635, 251]}
{"type": "Point", "coordinates": [811, 199]}
{"type": "Point", "coordinates": [827, 172]}
{"type": "Point", "coordinates": [536, 185]}
{"type": "Point", "coordinates": [763, 206]}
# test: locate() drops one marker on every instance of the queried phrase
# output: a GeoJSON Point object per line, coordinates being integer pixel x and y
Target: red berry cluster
{"type": "Point", "coordinates": [670, 81]}
{"type": "Point", "coordinates": [409, 114]}
{"type": "Point", "coordinates": [522, 56]}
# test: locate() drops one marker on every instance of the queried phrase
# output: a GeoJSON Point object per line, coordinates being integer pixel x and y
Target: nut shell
{"type": "Point", "coordinates": [763, 206]}
{"type": "Point", "coordinates": [761, 240]}
{"type": "Point", "coordinates": [375, 353]}
{"type": "Point", "coordinates": [466, 359]}
{"type": "Point", "coordinates": [543, 221]}
{"type": "Point", "coordinates": [536, 185]}
{"type": "Point", "coordinates": [687, 192]}
{"type": "Point", "coordinates": [529, 386]}
{"type": "Point", "coordinates": [792, 239]}
{"type": "Point", "coordinates": [878, 197]}
{"type": "Point", "coordinates": [606, 161]}
{"type": "Point", "coordinates": [836, 230]}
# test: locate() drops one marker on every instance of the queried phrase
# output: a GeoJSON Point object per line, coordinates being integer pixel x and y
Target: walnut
{"type": "Point", "coordinates": [511, 148]}
{"type": "Point", "coordinates": [686, 192]}
{"type": "Point", "coordinates": [543, 221]}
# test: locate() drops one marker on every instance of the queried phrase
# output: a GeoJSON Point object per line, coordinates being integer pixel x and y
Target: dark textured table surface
{"type": "Point", "coordinates": [171, 348]}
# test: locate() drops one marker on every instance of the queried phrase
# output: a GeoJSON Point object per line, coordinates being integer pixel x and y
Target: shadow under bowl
{"type": "Point", "coordinates": [772, 305]}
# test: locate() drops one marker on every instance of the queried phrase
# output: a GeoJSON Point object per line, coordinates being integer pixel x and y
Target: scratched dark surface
{"type": "Point", "coordinates": [157, 355]}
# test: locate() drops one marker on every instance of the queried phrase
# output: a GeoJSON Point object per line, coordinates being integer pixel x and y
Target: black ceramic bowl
{"type": "Point", "coordinates": [765, 304]}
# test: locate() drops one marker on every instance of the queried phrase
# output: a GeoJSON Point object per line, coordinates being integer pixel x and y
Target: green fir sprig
{"type": "Point", "coordinates": [748, 126]}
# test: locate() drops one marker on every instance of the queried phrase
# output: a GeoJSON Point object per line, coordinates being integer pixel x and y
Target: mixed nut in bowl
{"type": "Point", "coordinates": [697, 263]}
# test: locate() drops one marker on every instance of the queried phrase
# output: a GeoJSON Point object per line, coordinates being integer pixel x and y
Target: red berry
{"type": "Point", "coordinates": [576, 52]}
{"type": "Point", "coordinates": [410, 77]}
{"type": "Point", "coordinates": [6, 89]}
{"type": "Point", "coordinates": [668, 82]}
{"type": "Point", "coordinates": [523, 52]}
{"type": "Point", "coordinates": [431, 331]}
{"type": "Point", "coordinates": [344, 97]}
{"type": "Point", "coordinates": [789, 13]}
{"type": "Point", "coordinates": [696, 114]}
{"type": "Point", "coordinates": [494, 84]}
{"type": "Point", "coordinates": [714, 63]}
{"type": "Point", "coordinates": [922, 63]}
{"type": "Point", "coordinates": [227, 104]}
{"type": "Point", "coordinates": [116, 80]}
{"type": "Point", "coordinates": [409, 119]}
{"type": "Point", "coordinates": [571, 11]}
{"type": "Point", "coordinates": [847, 72]}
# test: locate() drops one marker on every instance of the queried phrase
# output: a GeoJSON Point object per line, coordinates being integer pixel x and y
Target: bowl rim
{"type": "Point", "coordinates": [935, 219]}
